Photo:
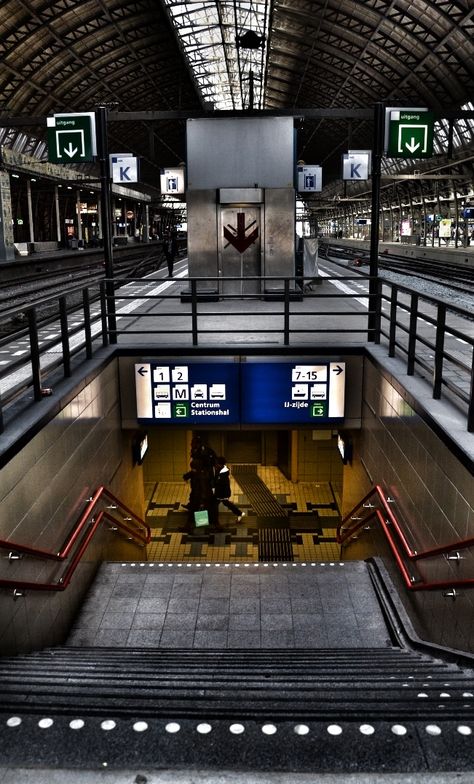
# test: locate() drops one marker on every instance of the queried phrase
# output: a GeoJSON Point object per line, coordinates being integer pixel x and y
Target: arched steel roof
{"type": "Point", "coordinates": [163, 55]}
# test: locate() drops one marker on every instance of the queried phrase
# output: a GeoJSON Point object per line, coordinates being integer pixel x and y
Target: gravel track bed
{"type": "Point", "coordinates": [432, 289]}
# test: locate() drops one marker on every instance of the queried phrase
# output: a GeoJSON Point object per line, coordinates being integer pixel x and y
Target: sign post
{"type": "Point", "coordinates": [374, 296]}
{"type": "Point", "coordinates": [124, 168]}
{"type": "Point", "coordinates": [106, 208]}
{"type": "Point", "coordinates": [356, 165]}
{"type": "Point", "coordinates": [250, 393]}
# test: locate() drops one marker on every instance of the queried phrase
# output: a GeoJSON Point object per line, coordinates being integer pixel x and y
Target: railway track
{"type": "Point", "coordinates": [455, 277]}
{"type": "Point", "coordinates": [34, 286]}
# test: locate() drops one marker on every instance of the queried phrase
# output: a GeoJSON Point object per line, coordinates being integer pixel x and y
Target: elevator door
{"type": "Point", "coordinates": [240, 249]}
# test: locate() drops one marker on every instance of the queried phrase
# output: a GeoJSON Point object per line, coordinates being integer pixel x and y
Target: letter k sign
{"type": "Point", "coordinates": [355, 166]}
{"type": "Point", "coordinates": [124, 168]}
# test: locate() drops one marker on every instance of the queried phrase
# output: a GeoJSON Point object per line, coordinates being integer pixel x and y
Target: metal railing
{"type": "Point", "coordinates": [78, 539]}
{"type": "Point", "coordinates": [282, 306]}
{"type": "Point", "coordinates": [193, 305]}
{"type": "Point", "coordinates": [404, 338]}
{"type": "Point", "coordinates": [377, 506]}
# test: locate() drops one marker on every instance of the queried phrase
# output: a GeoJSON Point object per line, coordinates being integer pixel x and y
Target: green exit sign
{"type": "Point", "coordinates": [410, 133]}
{"type": "Point", "coordinates": [71, 138]}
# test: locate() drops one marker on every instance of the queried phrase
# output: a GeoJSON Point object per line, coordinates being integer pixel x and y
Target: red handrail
{"type": "Point", "coordinates": [72, 539]}
{"type": "Point", "coordinates": [63, 581]}
{"type": "Point", "coordinates": [343, 534]}
{"type": "Point", "coordinates": [407, 578]}
{"type": "Point", "coordinates": [75, 532]}
{"type": "Point", "coordinates": [459, 544]}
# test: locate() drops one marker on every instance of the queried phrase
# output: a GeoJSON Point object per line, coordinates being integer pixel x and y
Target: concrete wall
{"type": "Point", "coordinates": [167, 458]}
{"type": "Point", "coordinates": [318, 458]}
{"type": "Point", "coordinates": [434, 496]}
{"type": "Point", "coordinates": [43, 490]}
{"type": "Point", "coordinates": [244, 152]}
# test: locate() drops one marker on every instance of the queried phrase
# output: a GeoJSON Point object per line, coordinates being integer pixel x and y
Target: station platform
{"type": "Point", "coordinates": [124, 610]}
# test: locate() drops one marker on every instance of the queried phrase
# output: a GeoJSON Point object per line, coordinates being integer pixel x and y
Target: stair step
{"type": "Point", "coordinates": [301, 685]}
{"type": "Point", "coordinates": [239, 708]}
{"type": "Point", "coordinates": [297, 675]}
{"type": "Point", "coordinates": [104, 743]}
{"type": "Point", "coordinates": [383, 709]}
{"type": "Point", "coordinates": [238, 654]}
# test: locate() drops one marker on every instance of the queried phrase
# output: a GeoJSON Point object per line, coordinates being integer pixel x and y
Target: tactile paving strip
{"type": "Point", "coordinates": [259, 496]}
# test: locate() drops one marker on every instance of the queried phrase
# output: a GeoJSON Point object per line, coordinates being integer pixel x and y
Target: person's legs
{"type": "Point", "coordinates": [213, 512]}
{"type": "Point", "coordinates": [233, 508]}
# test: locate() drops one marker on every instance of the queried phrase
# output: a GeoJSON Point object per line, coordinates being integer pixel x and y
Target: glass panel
{"type": "Point", "coordinates": [225, 44]}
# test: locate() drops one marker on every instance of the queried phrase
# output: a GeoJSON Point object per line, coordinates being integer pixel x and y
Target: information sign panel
{"type": "Point", "coordinates": [410, 133]}
{"type": "Point", "coordinates": [310, 179]}
{"type": "Point", "coordinates": [356, 165]}
{"type": "Point", "coordinates": [290, 393]}
{"type": "Point", "coordinates": [172, 180]}
{"type": "Point", "coordinates": [71, 138]}
{"type": "Point", "coordinates": [188, 394]}
{"type": "Point", "coordinates": [124, 168]}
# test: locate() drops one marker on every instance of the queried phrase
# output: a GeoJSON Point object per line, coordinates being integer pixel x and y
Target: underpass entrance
{"type": "Point", "coordinates": [282, 519]}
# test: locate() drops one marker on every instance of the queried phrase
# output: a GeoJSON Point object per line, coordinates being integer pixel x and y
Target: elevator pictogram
{"type": "Point", "coordinates": [240, 248]}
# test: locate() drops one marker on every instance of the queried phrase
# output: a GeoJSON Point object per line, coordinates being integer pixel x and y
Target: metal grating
{"type": "Point", "coordinates": [262, 501]}
{"type": "Point", "coordinates": [274, 544]}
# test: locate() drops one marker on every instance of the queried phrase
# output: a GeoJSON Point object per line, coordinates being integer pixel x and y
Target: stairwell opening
{"type": "Point", "coordinates": [289, 486]}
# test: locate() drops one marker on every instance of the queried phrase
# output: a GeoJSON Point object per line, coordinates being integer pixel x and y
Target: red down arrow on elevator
{"type": "Point", "coordinates": [239, 238]}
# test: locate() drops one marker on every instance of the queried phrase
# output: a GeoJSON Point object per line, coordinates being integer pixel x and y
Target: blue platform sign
{"type": "Point", "coordinates": [188, 393]}
{"type": "Point", "coordinates": [292, 393]}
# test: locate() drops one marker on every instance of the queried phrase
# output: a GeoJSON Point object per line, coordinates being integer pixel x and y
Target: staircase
{"type": "Point", "coordinates": [388, 708]}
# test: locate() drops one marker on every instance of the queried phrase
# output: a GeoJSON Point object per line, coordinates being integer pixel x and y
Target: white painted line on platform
{"type": "Point", "coordinates": [343, 287]}
{"type": "Point", "coordinates": [136, 303]}
{"type": "Point", "coordinates": [23, 373]}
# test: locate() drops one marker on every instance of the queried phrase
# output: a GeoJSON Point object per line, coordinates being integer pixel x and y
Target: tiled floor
{"type": "Point", "coordinates": [312, 515]}
{"type": "Point", "coordinates": [170, 605]}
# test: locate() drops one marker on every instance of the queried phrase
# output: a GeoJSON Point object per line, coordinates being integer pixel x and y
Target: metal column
{"type": "Point", "coordinates": [374, 296]}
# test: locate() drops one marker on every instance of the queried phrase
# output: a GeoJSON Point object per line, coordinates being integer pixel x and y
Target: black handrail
{"type": "Point", "coordinates": [286, 311]}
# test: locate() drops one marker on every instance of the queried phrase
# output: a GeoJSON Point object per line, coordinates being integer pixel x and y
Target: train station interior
{"type": "Point", "coordinates": [202, 205]}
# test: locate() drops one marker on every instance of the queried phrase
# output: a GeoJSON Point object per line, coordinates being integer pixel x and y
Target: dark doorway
{"type": "Point", "coordinates": [243, 446]}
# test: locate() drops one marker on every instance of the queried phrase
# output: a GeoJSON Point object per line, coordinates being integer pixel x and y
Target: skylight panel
{"type": "Point", "coordinates": [232, 34]}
